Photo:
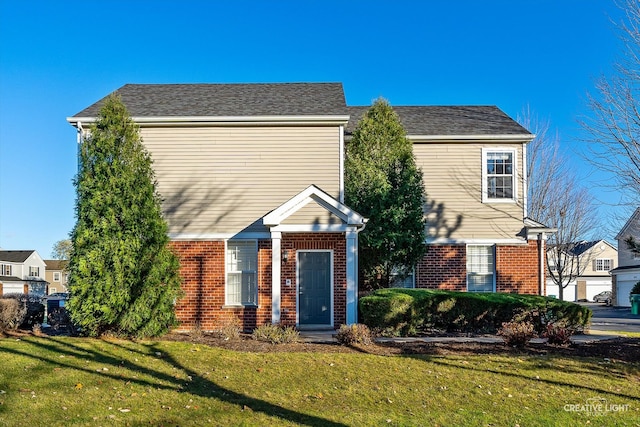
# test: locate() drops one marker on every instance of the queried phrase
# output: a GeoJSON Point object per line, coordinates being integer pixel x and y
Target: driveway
{"type": "Point", "coordinates": [612, 318]}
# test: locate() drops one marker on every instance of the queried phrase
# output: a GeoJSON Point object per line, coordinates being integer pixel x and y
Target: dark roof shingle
{"type": "Point", "coordinates": [15, 256]}
{"type": "Point", "coordinates": [448, 120]}
{"type": "Point", "coordinates": [229, 100]}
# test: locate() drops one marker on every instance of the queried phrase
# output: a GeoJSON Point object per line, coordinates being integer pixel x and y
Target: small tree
{"type": "Point", "coordinates": [62, 249]}
{"type": "Point", "coordinates": [614, 124]}
{"type": "Point", "coordinates": [383, 183]}
{"type": "Point", "coordinates": [557, 199]}
{"type": "Point", "coordinates": [62, 252]}
{"type": "Point", "coordinates": [123, 278]}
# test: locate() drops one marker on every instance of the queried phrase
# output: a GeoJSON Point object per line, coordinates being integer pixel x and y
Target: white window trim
{"type": "Point", "coordinates": [495, 268]}
{"type": "Point", "coordinates": [56, 276]}
{"type": "Point", "coordinates": [601, 261]}
{"type": "Point", "coordinates": [226, 276]}
{"type": "Point", "coordinates": [514, 152]}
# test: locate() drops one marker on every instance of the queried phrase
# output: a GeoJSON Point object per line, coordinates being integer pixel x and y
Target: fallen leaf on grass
{"type": "Point", "coordinates": [78, 386]}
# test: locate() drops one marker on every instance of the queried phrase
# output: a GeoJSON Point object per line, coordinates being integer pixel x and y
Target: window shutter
{"type": "Point", "coordinates": [595, 265]}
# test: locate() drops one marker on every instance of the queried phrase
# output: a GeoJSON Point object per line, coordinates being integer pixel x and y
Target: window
{"type": "Point", "coordinates": [480, 268]}
{"type": "Point", "coordinates": [56, 276]}
{"type": "Point", "coordinates": [34, 271]}
{"type": "Point", "coordinates": [498, 175]}
{"type": "Point", "coordinates": [602, 264]}
{"type": "Point", "coordinates": [400, 279]}
{"type": "Point", "coordinates": [6, 270]}
{"type": "Point", "coordinates": [242, 272]}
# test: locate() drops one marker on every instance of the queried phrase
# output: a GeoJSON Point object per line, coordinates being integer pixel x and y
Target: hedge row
{"type": "Point", "coordinates": [412, 311]}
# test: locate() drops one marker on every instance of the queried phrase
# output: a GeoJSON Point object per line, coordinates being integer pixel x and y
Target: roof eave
{"type": "Point", "coordinates": [515, 138]}
{"type": "Point", "coordinates": [200, 120]}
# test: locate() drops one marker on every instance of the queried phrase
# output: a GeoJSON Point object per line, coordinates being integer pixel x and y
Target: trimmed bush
{"type": "Point", "coordinates": [276, 334]}
{"type": "Point", "coordinates": [354, 334]}
{"type": "Point", "coordinates": [412, 311]}
{"type": "Point", "coordinates": [558, 334]}
{"type": "Point", "coordinates": [34, 309]}
{"type": "Point", "coordinates": [517, 334]}
{"type": "Point", "coordinates": [12, 313]}
{"type": "Point", "coordinates": [228, 329]}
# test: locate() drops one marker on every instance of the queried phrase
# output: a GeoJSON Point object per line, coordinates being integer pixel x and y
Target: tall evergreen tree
{"type": "Point", "coordinates": [124, 279]}
{"type": "Point", "coordinates": [383, 183]}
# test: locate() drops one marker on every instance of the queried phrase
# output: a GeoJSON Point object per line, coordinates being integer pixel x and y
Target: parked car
{"type": "Point", "coordinates": [604, 297]}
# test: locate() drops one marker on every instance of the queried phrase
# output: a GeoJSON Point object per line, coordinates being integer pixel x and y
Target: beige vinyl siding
{"type": "Point", "coordinates": [312, 213]}
{"type": "Point", "coordinates": [453, 183]}
{"type": "Point", "coordinates": [224, 179]}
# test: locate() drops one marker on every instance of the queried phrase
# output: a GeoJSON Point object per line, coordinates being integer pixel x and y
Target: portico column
{"type": "Point", "coordinates": [276, 253]}
{"type": "Point", "coordinates": [352, 277]}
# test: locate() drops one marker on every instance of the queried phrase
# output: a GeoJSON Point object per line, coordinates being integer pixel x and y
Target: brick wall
{"type": "Point", "coordinates": [202, 270]}
{"type": "Point", "coordinates": [444, 267]}
{"type": "Point", "coordinates": [517, 268]}
{"type": "Point", "coordinates": [203, 273]}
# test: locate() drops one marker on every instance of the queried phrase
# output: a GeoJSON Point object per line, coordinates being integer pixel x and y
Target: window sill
{"type": "Point", "coordinates": [490, 201]}
{"type": "Point", "coordinates": [238, 306]}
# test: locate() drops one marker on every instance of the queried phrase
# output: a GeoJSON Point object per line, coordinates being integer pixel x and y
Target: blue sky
{"type": "Point", "coordinates": [57, 57]}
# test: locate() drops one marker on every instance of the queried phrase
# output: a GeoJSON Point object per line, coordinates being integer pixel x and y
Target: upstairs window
{"type": "Point", "coordinates": [498, 175]}
{"type": "Point", "coordinates": [34, 271]}
{"type": "Point", "coordinates": [602, 264]}
{"type": "Point", "coordinates": [5, 270]}
{"type": "Point", "coordinates": [56, 276]}
{"type": "Point", "coordinates": [242, 272]}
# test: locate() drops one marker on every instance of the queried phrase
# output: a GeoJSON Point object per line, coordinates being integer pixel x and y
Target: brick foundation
{"type": "Point", "coordinates": [445, 267]}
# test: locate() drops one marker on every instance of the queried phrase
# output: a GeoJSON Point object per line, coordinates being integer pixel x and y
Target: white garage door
{"type": "Point", "coordinates": [12, 288]}
{"type": "Point", "coordinates": [624, 289]}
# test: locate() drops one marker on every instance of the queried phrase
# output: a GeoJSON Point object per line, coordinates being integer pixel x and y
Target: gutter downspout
{"type": "Point", "coordinates": [541, 263]}
{"type": "Point", "coordinates": [79, 140]}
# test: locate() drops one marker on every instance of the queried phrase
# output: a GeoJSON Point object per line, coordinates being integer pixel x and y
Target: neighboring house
{"type": "Point", "coordinates": [22, 272]}
{"type": "Point", "coordinates": [627, 273]}
{"type": "Point", "coordinates": [593, 262]}
{"type": "Point", "coordinates": [56, 274]}
{"type": "Point", "coordinates": [252, 181]}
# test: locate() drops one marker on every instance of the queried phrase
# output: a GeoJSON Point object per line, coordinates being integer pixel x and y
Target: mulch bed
{"type": "Point", "coordinates": [618, 349]}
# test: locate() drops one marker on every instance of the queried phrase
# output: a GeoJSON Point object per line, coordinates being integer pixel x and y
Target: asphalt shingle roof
{"type": "Point", "coordinates": [229, 100]}
{"type": "Point", "coordinates": [55, 264]}
{"type": "Point", "coordinates": [15, 256]}
{"type": "Point", "coordinates": [448, 120]}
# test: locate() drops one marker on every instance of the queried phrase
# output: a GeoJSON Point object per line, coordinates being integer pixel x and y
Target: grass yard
{"type": "Point", "coordinates": [61, 381]}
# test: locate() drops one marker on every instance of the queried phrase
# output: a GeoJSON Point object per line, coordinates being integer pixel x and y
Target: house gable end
{"type": "Point", "coordinates": [347, 216]}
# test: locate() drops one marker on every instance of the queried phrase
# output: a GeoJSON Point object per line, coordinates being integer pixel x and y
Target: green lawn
{"type": "Point", "coordinates": [60, 381]}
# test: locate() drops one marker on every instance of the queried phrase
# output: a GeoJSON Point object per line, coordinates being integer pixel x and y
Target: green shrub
{"type": "Point", "coordinates": [517, 333]}
{"type": "Point", "coordinates": [276, 334]}
{"type": "Point", "coordinates": [412, 311]}
{"type": "Point", "coordinates": [354, 334]}
{"type": "Point", "coordinates": [635, 289]}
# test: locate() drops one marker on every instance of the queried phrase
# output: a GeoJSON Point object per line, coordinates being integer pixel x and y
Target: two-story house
{"type": "Point", "coordinates": [22, 272]}
{"type": "Point", "coordinates": [56, 274]}
{"type": "Point", "coordinates": [627, 273]}
{"type": "Point", "coordinates": [591, 262]}
{"type": "Point", "coordinates": [252, 181]}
